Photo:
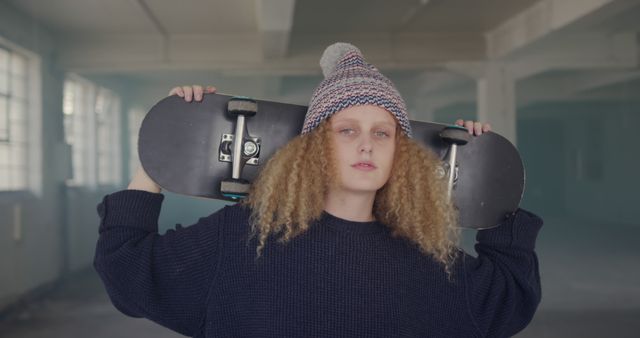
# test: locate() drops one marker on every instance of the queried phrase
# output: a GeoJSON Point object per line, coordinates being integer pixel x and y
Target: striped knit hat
{"type": "Point", "coordinates": [351, 81]}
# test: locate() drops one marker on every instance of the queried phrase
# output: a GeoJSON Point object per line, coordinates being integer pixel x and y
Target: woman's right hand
{"type": "Point", "coordinates": [192, 92]}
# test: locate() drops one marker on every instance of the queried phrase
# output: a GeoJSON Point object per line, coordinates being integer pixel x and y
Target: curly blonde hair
{"type": "Point", "coordinates": [290, 191]}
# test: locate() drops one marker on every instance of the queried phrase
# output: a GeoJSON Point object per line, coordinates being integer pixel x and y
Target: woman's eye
{"type": "Point", "coordinates": [347, 131]}
{"type": "Point", "coordinates": [381, 133]}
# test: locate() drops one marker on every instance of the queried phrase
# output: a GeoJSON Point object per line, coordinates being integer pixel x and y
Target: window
{"type": "Point", "coordinates": [92, 125]}
{"type": "Point", "coordinates": [136, 115]}
{"type": "Point", "coordinates": [107, 110]}
{"type": "Point", "coordinates": [14, 120]}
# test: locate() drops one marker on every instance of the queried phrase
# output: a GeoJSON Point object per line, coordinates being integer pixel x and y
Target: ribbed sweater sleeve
{"type": "Point", "coordinates": [503, 282]}
{"type": "Point", "coordinates": [151, 275]}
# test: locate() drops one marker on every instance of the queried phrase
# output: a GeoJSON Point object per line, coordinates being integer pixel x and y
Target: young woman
{"type": "Point", "coordinates": [347, 232]}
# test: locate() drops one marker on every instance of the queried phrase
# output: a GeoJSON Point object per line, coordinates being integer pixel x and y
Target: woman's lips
{"type": "Point", "coordinates": [365, 166]}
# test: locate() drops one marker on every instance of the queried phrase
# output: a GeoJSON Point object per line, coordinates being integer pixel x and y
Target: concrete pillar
{"type": "Point", "coordinates": [497, 101]}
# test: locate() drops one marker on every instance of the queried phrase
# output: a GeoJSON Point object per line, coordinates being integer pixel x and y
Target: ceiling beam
{"type": "Point", "coordinates": [275, 19]}
{"type": "Point", "coordinates": [589, 82]}
{"type": "Point", "coordinates": [153, 19]}
{"type": "Point", "coordinates": [242, 53]}
{"type": "Point", "coordinates": [538, 21]}
{"type": "Point", "coordinates": [587, 51]}
{"type": "Point", "coordinates": [564, 51]}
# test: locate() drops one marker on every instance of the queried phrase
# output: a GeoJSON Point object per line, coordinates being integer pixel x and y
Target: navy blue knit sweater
{"type": "Point", "coordinates": [338, 279]}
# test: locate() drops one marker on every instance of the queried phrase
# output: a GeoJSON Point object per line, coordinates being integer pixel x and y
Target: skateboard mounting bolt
{"type": "Point", "coordinates": [444, 169]}
{"type": "Point", "coordinates": [250, 148]}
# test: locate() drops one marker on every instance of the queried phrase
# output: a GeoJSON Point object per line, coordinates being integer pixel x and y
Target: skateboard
{"type": "Point", "coordinates": [190, 148]}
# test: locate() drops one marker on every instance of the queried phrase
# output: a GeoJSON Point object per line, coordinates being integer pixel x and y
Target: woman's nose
{"type": "Point", "coordinates": [366, 145]}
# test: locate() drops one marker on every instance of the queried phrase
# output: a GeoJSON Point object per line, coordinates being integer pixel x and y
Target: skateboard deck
{"type": "Point", "coordinates": [187, 148]}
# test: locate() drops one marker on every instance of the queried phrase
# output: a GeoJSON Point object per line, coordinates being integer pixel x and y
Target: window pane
{"type": "Point", "coordinates": [68, 98]}
{"type": "Point", "coordinates": [18, 65]}
{"type": "Point", "coordinates": [100, 105]}
{"type": "Point", "coordinates": [4, 155]}
{"type": "Point", "coordinates": [4, 60]}
{"type": "Point", "coordinates": [18, 131]}
{"type": "Point", "coordinates": [17, 111]}
{"type": "Point", "coordinates": [77, 105]}
{"type": "Point", "coordinates": [4, 82]}
{"type": "Point", "coordinates": [5, 57]}
{"type": "Point", "coordinates": [4, 119]}
{"type": "Point", "coordinates": [18, 154]}
{"type": "Point", "coordinates": [18, 87]}
{"type": "Point", "coordinates": [107, 111]}
{"type": "Point", "coordinates": [91, 124]}
{"type": "Point", "coordinates": [78, 166]}
{"type": "Point", "coordinates": [135, 120]}
{"type": "Point", "coordinates": [4, 179]}
{"type": "Point", "coordinates": [14, 102]}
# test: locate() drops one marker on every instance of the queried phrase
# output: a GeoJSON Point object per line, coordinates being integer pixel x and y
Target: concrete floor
{"type": "Point", "coordinates": [80, 308]}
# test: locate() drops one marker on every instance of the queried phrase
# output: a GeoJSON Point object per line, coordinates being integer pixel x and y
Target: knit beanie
{"type": "Point", "coordinates": [350, 81]}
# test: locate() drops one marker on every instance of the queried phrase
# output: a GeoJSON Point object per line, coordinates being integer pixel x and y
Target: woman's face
{"type": "Point", "coordinates": [364, 142]}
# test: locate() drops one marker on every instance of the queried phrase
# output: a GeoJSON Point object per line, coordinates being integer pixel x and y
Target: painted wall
{"type": "Point", "coordinates": [58, 225]}
{"type": "Point", "coordinates": [580, 159]}
{"type": "Point", "coordinates": [36, 257]}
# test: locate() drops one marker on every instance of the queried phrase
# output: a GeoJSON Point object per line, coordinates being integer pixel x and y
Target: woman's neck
{"type": "Point", "coordinates": [351, 206]}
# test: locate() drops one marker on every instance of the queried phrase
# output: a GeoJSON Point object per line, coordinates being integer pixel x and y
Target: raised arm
{"type": "Point", "coordinates": [503, 282]}
{"type": "Point", "coordinates": [165, 278]}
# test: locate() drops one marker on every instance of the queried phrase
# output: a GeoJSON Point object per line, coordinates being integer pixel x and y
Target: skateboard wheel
{"type": "Point", "coordinates": [455, 135]}
{"type": "Point", "coordinates": [242, 105]}
{"type": "Point", "coordinates": [234, 189]}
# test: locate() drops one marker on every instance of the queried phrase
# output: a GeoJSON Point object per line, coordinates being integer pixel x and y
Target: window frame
{"type": "Point", "coordinates": [33, 179]}
{"type": "Point", "coordinates": [91, 126]}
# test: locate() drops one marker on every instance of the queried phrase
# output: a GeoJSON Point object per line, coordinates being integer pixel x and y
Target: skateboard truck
{"type": "Point", "coordinates": [454, 136]}
{"type": "Point", "coordinates": [239, 148]}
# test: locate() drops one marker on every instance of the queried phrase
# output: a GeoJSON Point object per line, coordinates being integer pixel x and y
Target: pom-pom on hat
{"type": "Point", "coordinates": [351, 81]}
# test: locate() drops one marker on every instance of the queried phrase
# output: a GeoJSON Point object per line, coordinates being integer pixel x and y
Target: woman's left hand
{"type": "Point", "coordinates": [473, 127]}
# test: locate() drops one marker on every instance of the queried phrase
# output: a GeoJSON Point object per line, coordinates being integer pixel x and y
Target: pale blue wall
{"type": "Point", "coordinates": [37, 257]}
{"type": "Point", "coordinates": [604, 186]}
{"type": "Point", "coordinates": [60, 224]}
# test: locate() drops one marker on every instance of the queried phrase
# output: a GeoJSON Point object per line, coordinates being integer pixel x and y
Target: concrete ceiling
{"type": "Point", "coordinates": [80, 17]}
{"type": "Point", "coordinates": [234, 34]}
{"type": "Point", "coordinates": [95, 17]}
{"type": "Point", "coordinates": [166, 40]}
{"type": "Point", "coordinates": [405, 16]}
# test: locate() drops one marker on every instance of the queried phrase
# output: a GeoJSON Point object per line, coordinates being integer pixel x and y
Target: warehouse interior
{"type": "Point", "coordinates": [558, 78]}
